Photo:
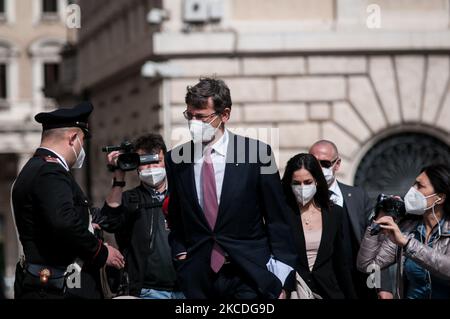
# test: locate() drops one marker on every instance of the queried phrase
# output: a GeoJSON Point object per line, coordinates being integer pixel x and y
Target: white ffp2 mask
{"type": "Point", "coordinates": [304, 193]}
{"type": "Point", "coordinates": [416, 202]}
{"type": "Point", "coordinates": [202, 132]}
{"type": "Point", "coordinates": [329, 175]}
{"type": "Point", "coordinates": [80, 157]}
{"type": "Point", "coordinates": [152, 176]}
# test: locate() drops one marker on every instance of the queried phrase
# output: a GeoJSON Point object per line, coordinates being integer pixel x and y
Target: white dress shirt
{"type": "Point", "coordinates": [336, 197]}
{"type": "Point", "coordinates": [218, 157]}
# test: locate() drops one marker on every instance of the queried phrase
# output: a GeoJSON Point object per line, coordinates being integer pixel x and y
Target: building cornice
{"type": "Point", "coordinates": [226, 43]}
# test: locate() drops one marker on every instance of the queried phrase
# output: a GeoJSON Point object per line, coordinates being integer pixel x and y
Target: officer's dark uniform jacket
{"type": "Point", "coordinates": [52, 218]}
{"type": "Point", "coordinates": [142, 236]}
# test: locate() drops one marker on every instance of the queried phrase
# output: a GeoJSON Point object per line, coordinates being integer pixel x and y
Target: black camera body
{"type": "Point", "coordinates": [392, 206]}
{"type": "Point", "coordinates": [129, 160]}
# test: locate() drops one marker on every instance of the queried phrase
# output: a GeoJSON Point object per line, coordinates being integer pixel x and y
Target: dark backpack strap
{"type": "Point", "coordinates": [133, 201]}
{"type": "Point", "coordinates": [151, 205]}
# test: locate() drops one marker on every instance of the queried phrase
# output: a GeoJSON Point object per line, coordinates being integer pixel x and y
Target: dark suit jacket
{"type": "Point", "coordinates": [330, 276]}
{"type": "Point", "coordinates": [359, 209]}
{"type": "Point", "coordinates": [52, 217]}
{"type": "Point", "coordinates": [252, 222]}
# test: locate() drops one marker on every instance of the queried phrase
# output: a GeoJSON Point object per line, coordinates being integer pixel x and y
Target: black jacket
{"type": "Point", "coordinates": [252, 222]}
{"type": "Point", "coordinates": [330, 277]}
{"type": "Point", "coordinates": [142, 236]}
{"type": "Point", "coordinates": [52, 218]}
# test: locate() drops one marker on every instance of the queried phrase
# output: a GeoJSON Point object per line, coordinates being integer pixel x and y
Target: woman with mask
{"type": "Point", "coordinates": [420, 244]}
{"type": "Point", "coordinates": [317, 227]}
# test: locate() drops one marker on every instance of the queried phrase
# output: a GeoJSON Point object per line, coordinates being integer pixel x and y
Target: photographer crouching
{"type": "Point", "coordinates": [419, 243]}
{"type": "Point", "coordinates": [137, 220]}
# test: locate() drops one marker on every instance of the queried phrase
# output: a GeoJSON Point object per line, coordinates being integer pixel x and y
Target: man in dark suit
{"type": "Point", "coordinates": [52, 215]}
{"type": "Point", "coordinates": [227, 213]}
{"type": "Point", "coordinates": [358, 208]}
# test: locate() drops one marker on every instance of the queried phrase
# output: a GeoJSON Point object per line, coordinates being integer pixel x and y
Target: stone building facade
{"type": "Point", "coordinates": [356, 72]}
{"type": "Point", "coordinates": [32, 33]}
{"type": "Point", "coordinates": [373, 76]}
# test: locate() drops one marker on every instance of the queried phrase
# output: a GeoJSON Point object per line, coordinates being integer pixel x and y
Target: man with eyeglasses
{"type": "Point", "coordinates": [230, 233]}
{"type": "Point", "coordinates": [356, 203]}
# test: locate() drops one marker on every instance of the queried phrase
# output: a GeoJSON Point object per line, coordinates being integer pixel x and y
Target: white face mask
{"type": "Point", "coordinates": [329, 175]}
{"type": "Point", "coordinates": [153, 176]}
{"type": "Point", "coordinates": [202, 132]}
{"type": "Point", "coordinates": [416, 202]}
{"type": "Point", "coordinates": [80, 157]}
{"type": "Point", "coordinates": [304, 193]}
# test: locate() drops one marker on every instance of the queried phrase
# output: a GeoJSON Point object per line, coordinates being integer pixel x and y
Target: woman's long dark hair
{"type": "Point", "coordinates": [311, 164]}
{"type": "Point", "coordinates": [439, 175]}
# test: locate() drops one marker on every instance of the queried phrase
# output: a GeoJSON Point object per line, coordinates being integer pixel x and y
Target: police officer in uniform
{"type": "Point", "coordinates": [62, 256]}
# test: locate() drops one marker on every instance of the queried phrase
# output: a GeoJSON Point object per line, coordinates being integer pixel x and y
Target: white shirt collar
{"type": "Point", "coordinates": [220, 147]}
{"type": "Point", "coordinates": [61, 158]}
{"type": "Point", "coordinates": [337, 196]}
{"type": "Point", "coordinates": [335, 187]}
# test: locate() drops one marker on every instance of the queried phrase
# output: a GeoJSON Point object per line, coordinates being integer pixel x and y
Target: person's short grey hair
{"type": "Point", "coordinates": [56, 133]}
{"type": "Point", "coordinates": [326, 143]}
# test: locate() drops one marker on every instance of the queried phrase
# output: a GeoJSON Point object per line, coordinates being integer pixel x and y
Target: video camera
{"type": "Point", "coordinates": [130, 160]}
{"type": "Point", "coordinates": [390, 205]}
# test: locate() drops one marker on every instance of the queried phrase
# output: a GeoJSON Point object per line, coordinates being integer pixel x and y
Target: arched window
{"type": "Point", "coordinates": [2, 8]}
{"type": "Point", "coordinates": [45, 56]}
{"type": "Point", "coordinates": [393, 163]}
{"type": "Point", "coordinates": [50, 6]}
{"type": "Point", "coordinates": [8, 73]}
{"type": "Point", "coordinates": [48, 11]}
{"type": "Point", "coordinates": [7, 11]}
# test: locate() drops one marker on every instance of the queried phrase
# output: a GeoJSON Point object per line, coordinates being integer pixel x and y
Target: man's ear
{"type": "Point", "coordinates": [441, 199]}
{"type": "Point", "coordinates": [226, 115]}
{"type": "Point", "coordinates": [337, 166]}
{"type": "Point", "coordinates": [72, 137]}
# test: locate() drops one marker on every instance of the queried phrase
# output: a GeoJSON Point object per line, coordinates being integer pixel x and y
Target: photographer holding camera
{"type": "Point", "coordinates": [419, 243]}
{"type": "Point", "coordinates": [140, 226]}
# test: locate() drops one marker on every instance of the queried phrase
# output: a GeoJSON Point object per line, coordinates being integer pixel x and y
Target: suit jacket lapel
{"type": "Point", "coordinates": [187, 176]}
{"type": "Point", "coordinates": [301, 242]}
{"type": "Point", "coordinates": [325, 238]}
{"type": "Point", "coordinates": [352, 209]}
{"type": "Point", "coordinates": [231, 177]}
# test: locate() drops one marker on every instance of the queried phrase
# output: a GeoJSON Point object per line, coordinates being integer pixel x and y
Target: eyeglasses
{"type": "Point", "coordinates": [328, 164]}
{"type": "Point", "coordinates": [189, 116]}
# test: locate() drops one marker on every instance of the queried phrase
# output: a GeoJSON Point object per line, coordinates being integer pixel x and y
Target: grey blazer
{"type": "Point", "coordinates": [381, 251]}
